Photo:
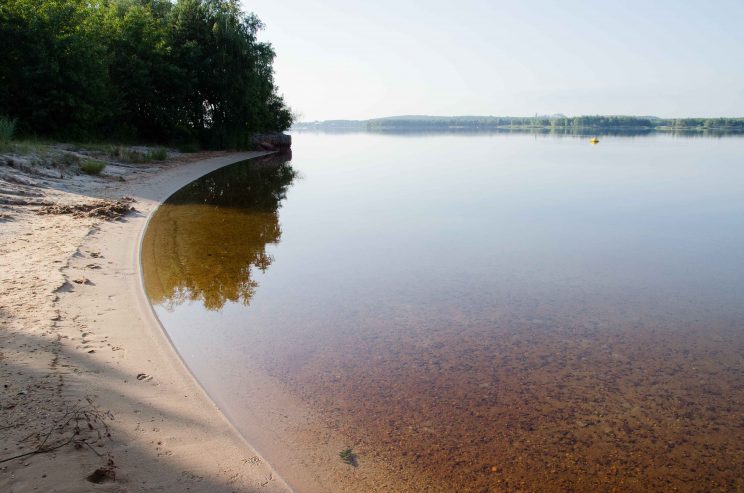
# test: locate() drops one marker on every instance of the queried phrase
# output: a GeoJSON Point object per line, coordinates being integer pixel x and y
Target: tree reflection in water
{"type": "Point", "coordinates": [204, 242]}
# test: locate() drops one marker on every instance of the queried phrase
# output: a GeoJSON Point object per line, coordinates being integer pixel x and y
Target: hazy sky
{"type": "Point", "coordinates": [362, 59]}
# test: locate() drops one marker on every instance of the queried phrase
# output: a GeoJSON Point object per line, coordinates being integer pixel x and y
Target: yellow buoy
{"type": "Point", "coordinates": [594, 140]}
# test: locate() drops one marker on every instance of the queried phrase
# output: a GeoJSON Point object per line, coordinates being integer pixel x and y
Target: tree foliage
{"type": "Point", "coordinates": [156, 70]}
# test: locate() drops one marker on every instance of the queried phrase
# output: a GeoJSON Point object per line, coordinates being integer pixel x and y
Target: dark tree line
{"type": "Point", "coordinates": [182, 71]}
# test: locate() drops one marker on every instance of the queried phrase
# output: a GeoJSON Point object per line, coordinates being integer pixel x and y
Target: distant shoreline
{"type": "Point", "coordinates": [558, 124]}
{"type": "Point", "coordinates": [537, 131]}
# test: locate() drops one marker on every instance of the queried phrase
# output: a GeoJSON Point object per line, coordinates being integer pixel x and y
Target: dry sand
{"type": "Point", "coordinates": [92, 388]}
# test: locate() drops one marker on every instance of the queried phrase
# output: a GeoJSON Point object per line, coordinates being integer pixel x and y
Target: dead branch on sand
{"type": "Point", "coordinates": [70, 428]}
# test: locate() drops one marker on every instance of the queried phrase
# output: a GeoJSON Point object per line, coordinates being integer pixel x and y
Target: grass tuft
{"type": "Point", "coordinates": [121, 153]}
{"type": "Point", "coordinates": [28, 146]}
{"type": "Point", "coordinates": [348, 456]}
{"type": "Point", "coordinates": [92, 166]}
{"type": "Point", "coordinates": [159, 154]}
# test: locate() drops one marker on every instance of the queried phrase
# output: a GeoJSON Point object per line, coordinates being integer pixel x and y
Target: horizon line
{"type": "Point", "coordinates": [554, 115]}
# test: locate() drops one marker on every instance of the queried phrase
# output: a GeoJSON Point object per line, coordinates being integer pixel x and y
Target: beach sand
{"type": "Point", "coordinates": [90, 380]}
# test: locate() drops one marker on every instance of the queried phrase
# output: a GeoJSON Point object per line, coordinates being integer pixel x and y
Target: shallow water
{"type": "Point", "coordinates": [484, 312]}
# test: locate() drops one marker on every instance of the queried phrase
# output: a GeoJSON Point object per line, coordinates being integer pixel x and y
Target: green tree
{"type": "Point", "coordinates": [189, 70]}
{"type": "Point", "coordinates": [55, 66]}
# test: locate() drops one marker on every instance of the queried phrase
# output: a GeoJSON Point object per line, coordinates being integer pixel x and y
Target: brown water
{"type": "Point", "coordinates": [479, 313]}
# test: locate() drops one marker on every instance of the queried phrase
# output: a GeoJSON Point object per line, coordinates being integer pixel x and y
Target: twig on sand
{"type": "Point", "coordinates": [14, 425]}
{"type": "Point", "coordinates": [92, 417]}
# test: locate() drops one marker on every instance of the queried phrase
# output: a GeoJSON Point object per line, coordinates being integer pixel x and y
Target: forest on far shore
{"type": "Point", "coordinates": [552, 122]}
{"type": "Point", "coordinates": [185, 72]}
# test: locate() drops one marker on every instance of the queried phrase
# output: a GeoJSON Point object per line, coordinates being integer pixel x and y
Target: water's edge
{"type": "Point", "coordinates": [203, 168]}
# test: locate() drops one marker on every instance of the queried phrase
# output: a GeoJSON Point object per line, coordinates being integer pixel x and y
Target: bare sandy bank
{"type": "Point", "coordinates": [89, 379]}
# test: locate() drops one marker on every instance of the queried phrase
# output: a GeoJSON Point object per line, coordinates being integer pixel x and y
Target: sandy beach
{"type": "Point", "coordinates": [94, 396]}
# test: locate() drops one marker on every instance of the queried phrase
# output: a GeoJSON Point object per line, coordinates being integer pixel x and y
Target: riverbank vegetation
{"type": "Point", "coordinates": [182, 72]}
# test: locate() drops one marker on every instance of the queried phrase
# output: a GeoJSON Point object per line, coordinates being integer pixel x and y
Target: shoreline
{"type": "Point", "coordinates": [285, 430]}
{"type": "Point", "coordinates": [85, 339]}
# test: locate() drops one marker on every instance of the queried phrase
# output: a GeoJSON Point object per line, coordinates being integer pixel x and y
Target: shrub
{"type": "Point", "coordinates": [121, 153]}
{"type": "Point", "coordinates": [133, 157]}
{"type": "Point", "coordinates": [7, 129]}
{"type": "Point", "coordinates": [159, 154]}
{"type": "Point", "coordinates": [92, 166]}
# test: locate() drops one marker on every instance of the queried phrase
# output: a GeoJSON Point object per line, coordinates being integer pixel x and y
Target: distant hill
{"type": "Point", "coordinates": [556, 121]}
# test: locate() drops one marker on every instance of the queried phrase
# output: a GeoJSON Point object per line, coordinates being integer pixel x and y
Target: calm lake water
{"type": "Point", "coordinates": [484, 312]}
